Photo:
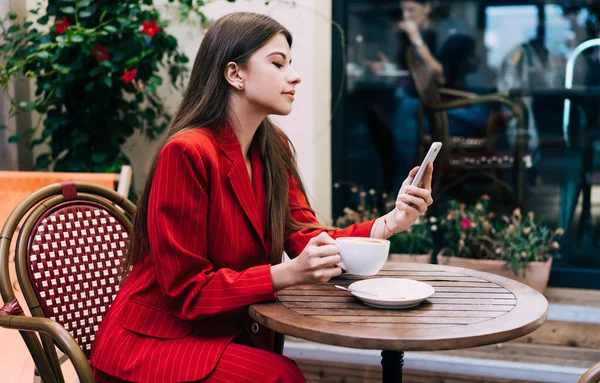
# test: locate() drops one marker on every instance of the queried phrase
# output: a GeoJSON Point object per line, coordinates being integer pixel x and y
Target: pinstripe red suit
{"type": "Point", "coordinates": [208, 261]}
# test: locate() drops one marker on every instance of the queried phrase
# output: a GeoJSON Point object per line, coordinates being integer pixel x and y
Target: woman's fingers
{"type": "Point", "coordinates": [424, 194]}
{"type": "Point", "coordinates": [382, 57]}
{"type": "Point", "coordinates": [410, 210]}
{"type": "Point", "coordinates": [408, 180]}
{"type": "Point", "coordinates": [332, 272]}
{"type": "Point", "coordinates": [322, 239]}
{"type": "Point", "coordinates": [416, 202]}
{"type": "Point", "coordinates": [428, 176]}
{"type": "Point", "coordinates": [412, 174]}
{"type": "Point", "coordinates": [329, 261]}
{"type": "Point", "coordinates": [325, 250]}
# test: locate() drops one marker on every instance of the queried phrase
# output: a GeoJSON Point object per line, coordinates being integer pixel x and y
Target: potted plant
{"type": "Point", "coordinates": [513, 246]}
{"type": "Point", "coordinates": [412, 245]}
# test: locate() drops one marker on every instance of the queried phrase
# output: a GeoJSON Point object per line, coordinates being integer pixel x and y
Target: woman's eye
{"type": "Point", "coordinates": [278, 65]}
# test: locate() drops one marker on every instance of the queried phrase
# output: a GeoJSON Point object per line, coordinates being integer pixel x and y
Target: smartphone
{"type": "Point", "coordinates": [434, 149]}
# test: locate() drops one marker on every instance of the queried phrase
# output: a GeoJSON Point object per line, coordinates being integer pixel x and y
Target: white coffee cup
{"type": "Point", "coordinates": [362, 256]}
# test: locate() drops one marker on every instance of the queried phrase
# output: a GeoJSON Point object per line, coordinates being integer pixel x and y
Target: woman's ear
{"type": "Point", "coordinates": [234, 76]}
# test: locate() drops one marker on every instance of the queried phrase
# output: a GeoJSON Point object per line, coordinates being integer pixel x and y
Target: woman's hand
{"type": "Point", "coordinates": [412, 201]}
{"type": "Point", "coordinates": [412, 30]}
{"type": "Point", "coordinates": [378, 66]}
{"type": "Point", "coordinates": [316, 264]}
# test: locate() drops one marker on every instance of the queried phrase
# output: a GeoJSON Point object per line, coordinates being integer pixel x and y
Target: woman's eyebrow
{"type": "Point", "coordinates": [279, 53]}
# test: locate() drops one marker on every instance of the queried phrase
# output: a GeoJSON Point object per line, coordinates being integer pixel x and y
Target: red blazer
{"type": "Point", "coordinates": [208, 261]}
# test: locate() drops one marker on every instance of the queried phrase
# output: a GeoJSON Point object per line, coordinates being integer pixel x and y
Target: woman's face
{"type": "Point", "coordinates": [417, 12]}
{"type": "Point", "coordinates": [269, 80]}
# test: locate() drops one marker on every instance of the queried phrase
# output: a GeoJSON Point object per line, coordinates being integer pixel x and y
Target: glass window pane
{"type": "Point", "coordinates": [479, 47]}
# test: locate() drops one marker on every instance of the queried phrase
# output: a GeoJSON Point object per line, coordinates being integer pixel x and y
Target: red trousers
{"type": "Point", "coordinates": [240, 363]}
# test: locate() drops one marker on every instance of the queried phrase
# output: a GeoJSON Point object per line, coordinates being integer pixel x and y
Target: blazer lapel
{"type": "Point", "coordinates": [239, 179]}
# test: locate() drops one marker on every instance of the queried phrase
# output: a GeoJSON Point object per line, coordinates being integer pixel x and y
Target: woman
{"type": "Point", "coordinates": [415, 30]}
{"type": "Point", "coordinates": [222, 201]}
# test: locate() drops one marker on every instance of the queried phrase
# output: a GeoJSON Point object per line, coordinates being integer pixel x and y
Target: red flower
{"type": "Point", "coordinates": [62, 25]}
{"type": "Point", "coordinates": [150, 28]}
{"type": "Point", "coordinates": [129, 76]}
{"type": "Point", "coordinates": [465, 223]}
{"type": "Point", "coordinates": [100, 53]}
{"type": "Point", "coordinates": [485, 197]}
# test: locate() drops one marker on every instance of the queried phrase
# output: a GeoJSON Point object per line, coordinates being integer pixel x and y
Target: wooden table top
{"type": "Point", "coordinates": [469, 308]}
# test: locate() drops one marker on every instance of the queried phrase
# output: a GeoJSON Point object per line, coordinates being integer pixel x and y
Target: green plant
{"type": "Point", "coordinates": [365, 205]}
{"type": "Point", "coordinates": [468, 229]}
{"type": "Point", "coordinates": [521, 240]}
{"type": "Point", "coordinates": [416, 240]}
{"type": "Point", "coordinates": [475, 232]}
{"type": "Point", "coordinates": [96, 66]}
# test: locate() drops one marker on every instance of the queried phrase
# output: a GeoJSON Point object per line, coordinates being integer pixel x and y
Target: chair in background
{"type": "Point", "coordinates": [466, 156]}
{"type": "Point", "coordinates": [68, 254]}
{"type": "Point", "coordinates": [383, 142]}
{"type": "Point", "coordinates": [592, 375]}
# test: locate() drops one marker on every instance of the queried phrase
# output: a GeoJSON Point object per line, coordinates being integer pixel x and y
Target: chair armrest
{"type": "Point", "coordinates": [10, 318]}
{"type": "Point", "coordinates": [468, 95]}
{"type": "Point", "coordinates": [592, 375]}
{"type": "Point", "coordinates": [485, 99]}
{"type": "Point", "coordinates": [457, 93]}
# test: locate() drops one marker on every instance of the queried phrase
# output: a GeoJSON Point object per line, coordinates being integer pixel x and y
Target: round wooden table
{"type": "Point", "coordinates": [469, 308]}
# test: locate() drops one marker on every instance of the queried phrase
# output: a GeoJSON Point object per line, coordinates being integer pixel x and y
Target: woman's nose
{"type": "Point", "coordinates": [294, 78]}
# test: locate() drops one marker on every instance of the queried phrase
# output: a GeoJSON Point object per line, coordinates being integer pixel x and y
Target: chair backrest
{"type": "Point", "coordinates": [427, 83]}
{"type": "Point", "coordinates": [68, 256]}
{"type": "Point", "coordinates": [74, 253]}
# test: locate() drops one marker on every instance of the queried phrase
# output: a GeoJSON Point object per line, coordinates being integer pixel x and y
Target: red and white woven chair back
{"type": "Point", "coordinates": [74, 259]}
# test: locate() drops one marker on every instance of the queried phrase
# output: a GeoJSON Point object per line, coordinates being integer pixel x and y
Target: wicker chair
{"type": "Point", "coordinates": [68, 256]}
{"type": "Point", "coordinates": [592, 375]}
{"type": "Point", "coordinates": [466, 156]}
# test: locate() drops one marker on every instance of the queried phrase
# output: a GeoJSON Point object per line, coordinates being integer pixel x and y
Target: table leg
{"type": "Point", "coordinates": [392, 362]}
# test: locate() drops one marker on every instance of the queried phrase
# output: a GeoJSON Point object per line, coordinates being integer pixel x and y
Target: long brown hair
{"type": "Point", "coordinates": [232, 38]}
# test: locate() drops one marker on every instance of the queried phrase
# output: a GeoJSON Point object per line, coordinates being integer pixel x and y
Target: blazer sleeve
{"type": "Point", "coordinates": [302, 212]}
{"type": "Point", "coordinates": [177, 223]}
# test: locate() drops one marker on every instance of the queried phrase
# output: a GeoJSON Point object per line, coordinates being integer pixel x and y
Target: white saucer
{"type": "Point", "coordinates": [395, 293]}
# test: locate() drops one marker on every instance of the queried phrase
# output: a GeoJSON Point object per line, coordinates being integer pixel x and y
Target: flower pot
{"type": "Point", "coordinates": [412, 258]}
{"type": "Point", "coordinates": [536, 275]}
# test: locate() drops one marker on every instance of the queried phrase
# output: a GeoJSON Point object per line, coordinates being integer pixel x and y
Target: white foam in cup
{"type": "Point", "coordinates": [362, 256]}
